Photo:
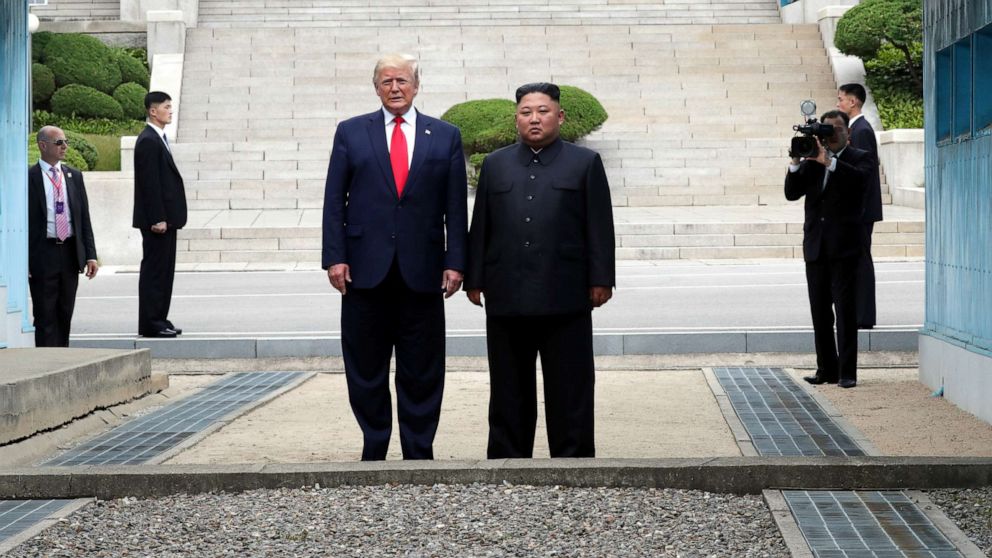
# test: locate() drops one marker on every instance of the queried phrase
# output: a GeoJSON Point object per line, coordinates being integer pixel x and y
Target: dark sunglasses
{"type": "Point", "coordinates": [59, 143]}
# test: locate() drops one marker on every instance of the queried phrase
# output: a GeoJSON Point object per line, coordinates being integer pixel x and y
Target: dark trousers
{"type": "Point", "coordinates": [158, 271]}
{"type": "Point", "coordinates": [53, 292]}
{"type": "Point", "coordinates": [565, 346]}
{"type": "Point", "coordinates": [831, 285]}
{"type": "Point", "coordinates": [866, 283]}
{"type": "Point", "coordinates": [373, 322]}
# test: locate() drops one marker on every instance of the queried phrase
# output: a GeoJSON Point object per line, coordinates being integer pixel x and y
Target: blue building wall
{"type": "Point", "coordinates": [958, 170]}
{"type": "Point", "coordinates": [15, 64]}
{"type": "Point", "coordinates": [956, 340]}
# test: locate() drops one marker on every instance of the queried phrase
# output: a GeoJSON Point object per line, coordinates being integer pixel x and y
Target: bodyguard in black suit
{"type": "Point", "coordinates": [394, 232]}
{"type": "Point", "coordinates": [159, 211]}
{"type": "Point", "coordinates": [541, 252]}
{"type": "Point", "coordinates": [60, 239]}
{"type": "Point", "coordinates": [834, 183]}
{"type": "Point", "coordinates": [850, 100]}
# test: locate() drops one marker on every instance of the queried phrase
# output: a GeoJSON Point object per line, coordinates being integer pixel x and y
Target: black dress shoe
{"type": "Point", "coordinates": [818, 379]}
{"type": "Point", "coordinates": [165, 333]}
{"type": "Point", "coordinates": [178, 330]}
{"type": "Point", "coordinates": [847, 383]}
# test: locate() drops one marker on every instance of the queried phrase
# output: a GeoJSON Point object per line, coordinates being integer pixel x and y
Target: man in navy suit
{"type": "Point", "coordinates": [159, 211]}
{"type": "Point", "coordinates": [60, 239]}
{"type": "Point", "coordinates": [850, 100]}
{"type": "Point", "coordinates": [834, 183]}
{"type": "Point", "coordinates": [395, 186]}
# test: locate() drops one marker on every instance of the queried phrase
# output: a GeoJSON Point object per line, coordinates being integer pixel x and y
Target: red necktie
{"type": "Point", "coordinates": [398, 156]}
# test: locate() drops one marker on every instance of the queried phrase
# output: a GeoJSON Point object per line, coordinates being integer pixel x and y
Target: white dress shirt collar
{"type": "Point", "coordinates": [161, 134]}
{"type": "Point", "coordinates": [409, 129]}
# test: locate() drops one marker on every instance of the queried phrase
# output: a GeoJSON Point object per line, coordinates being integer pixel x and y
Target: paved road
{"type": "Point", "coordinates": [651, 296]}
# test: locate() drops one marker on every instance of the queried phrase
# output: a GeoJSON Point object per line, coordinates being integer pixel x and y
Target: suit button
{"type": "Point", "coordinates": [527, 244]}
{"type": "Point", "coordinates": [530, 198]}
{"type": "Point", "coordinates": [526, 219]}
{"type": "Point", "coordinates": [393, 236]}
{"type": "Point", "coordinates": [822, 219]}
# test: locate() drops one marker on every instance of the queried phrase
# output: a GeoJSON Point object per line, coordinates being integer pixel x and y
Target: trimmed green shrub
{"type": "Point", "coordinates": [80, 100]}
{"type": "Point", "coordinates": [81, 145]}
{"type": "Point", "coordinates": [887, 71]}
{"type": "Point", "coordinates": [486, 125]}
{"type": "Point", "coordinates": [475, 166]}
{"type": "Point", "coordinates": [900, 110]}
{"type": "Point", "coordinates": [42, 83]}
{"type": "Point", "coordinates": [131, 96]}
{"type": "Point", "coordinates": [72, 157]}
{"type": "Point", "coordinates": [99, 126]}
{"type": "Point", "coordinates": [81, 59]}
{"type": "Point", "coordinates": [132, 70]}
{"type": "Point", "coordinates": [583, 113]}
{"type": "Point", "coordinates": [39, 41]}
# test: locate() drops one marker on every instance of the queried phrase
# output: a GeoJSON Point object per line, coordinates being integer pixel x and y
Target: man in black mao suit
{"type": "Point", "coordinates": [834, 183]}
{"type": "Point", "coordinates": [850, 100]}
{"type": "Point", "coordinates": [60, 239]}
{"type": "Point", "coordinates": [541, 252]}
{"type": "Point", "coordinates": [394, 231]}
{"type": "Point", "coordinates": [159, 211]}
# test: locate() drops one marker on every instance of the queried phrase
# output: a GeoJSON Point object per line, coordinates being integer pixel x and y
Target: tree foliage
{"type": "Point", "coordinates": [866, 28]}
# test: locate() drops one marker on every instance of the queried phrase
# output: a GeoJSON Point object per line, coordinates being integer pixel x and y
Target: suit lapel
{"type": "Point", "coordinates": [73, 193]}
{"type": "Point", "coordinates": [377, 136]}
{"type": "Point", "coordinates": [168, 154]}
{"type": "Point", "coordinates": [421, 147]}
{"type": "Point", "coordinates": [37, 183]}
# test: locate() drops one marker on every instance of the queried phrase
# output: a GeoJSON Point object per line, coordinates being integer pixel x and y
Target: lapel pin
{"type": "Point", "coordinates": [428, 132]}
{"type": "Point", "coordinates": [68, 174]}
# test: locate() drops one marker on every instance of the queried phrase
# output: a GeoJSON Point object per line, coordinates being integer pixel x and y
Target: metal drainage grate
{"type": "Point", "coordinates": [18, 515]}
{"type": "Point", "coordinates": [144, 438]}
{"type": "Point", "coordinates": [780, 417]}
{"type": "Point", "coordinates": [843, 524]}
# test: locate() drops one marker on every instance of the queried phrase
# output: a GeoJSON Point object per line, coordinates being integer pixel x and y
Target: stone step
{"type": "Point", "coordinates": [479, 13]}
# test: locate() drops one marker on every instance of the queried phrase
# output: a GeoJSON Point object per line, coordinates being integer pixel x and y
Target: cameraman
{"type": "Point", "coordinates": [834, 183]}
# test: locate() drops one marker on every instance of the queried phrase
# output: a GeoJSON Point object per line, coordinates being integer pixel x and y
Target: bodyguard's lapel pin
{"type": "Point", "coordinates": [428, 132]}
{"type": "Point", "coordinates": [68, 174]}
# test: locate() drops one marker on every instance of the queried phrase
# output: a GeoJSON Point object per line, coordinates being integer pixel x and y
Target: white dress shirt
{"type": "Point", "coordinates": [161, 134]}
{"type": "Point", "coordinates": [46, 179]}
{"type": "Point", "coordinates": [409, 129]}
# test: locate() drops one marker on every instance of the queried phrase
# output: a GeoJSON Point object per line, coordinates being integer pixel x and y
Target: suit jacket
{"type": "Point", "coordinates": [863, 137]}
{"type": "Point", "coordinates": [159, 194]}
{"type": "Point", "coordinates": [542, 232]}
{"type": "Point", "coordinates": [367, 225]}
{"type": "Point", "coordinates": [79, 210]}
{"type": "Point", "coordinates": [833, 227]}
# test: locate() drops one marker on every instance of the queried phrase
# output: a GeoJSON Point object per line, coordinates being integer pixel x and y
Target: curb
{"type": "Point", "coordinates": [614, 344]}
{"type": "Point", "coordinates": [738, 475]}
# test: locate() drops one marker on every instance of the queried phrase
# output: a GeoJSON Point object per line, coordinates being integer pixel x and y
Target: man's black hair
{"type": "Point", "coordinates": [156, 98]}
{"type": "Point", "coordinates": [837, 114]}
{"type": "Point", "coordinates": [549, 89]}
{"type": "Point", "coordinates": [855, 89]}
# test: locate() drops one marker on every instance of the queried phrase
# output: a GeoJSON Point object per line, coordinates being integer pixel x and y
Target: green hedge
{"type": "Point", "coordinates": [81, 145]}
{"type": "Point", "coordinates": [131, 96]}
{"type": "Point", "coordinates": [42, 83]}
{"type": "Point", "coordinates": [132, 70]}
{"type": "Point", "coordinates": [72, 157]}
{"type": "Point", "coordinates": [900, 110]}
{"type": "Point", "coordinates": [583, 113]}
{"type": "Point", "coordinates": [81, 59]}
{"type": "Point", "coordinates": [99, 126]}
{"type": "Point", "coordinates": [80, 100]}
{"type": "Point", "coordinates": [39, 41]}
{"type": "Point", "coordinates": [488, 124]}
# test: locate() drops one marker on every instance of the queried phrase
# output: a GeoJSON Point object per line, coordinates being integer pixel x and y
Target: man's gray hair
{"type": "Point", "coordinates": [397, 61]}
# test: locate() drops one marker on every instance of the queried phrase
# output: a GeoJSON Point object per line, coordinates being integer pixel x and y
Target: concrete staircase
{"type": "Point", "coordinates": [701, 98]}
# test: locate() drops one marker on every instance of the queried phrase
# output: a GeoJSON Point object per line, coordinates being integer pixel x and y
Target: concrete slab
{"type": "Point", "coordinates": [45, 388]}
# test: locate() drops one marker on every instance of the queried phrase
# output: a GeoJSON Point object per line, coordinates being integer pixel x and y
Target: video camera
{"type": "Point", "coordinates": [805, 144]}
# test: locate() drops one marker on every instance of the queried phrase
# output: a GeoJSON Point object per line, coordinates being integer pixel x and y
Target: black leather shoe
{"type": "Point", "coordinates": [178, 330]}
{"type": "Point", "coordinates": [165, 333]}
{"type": "Point", "coordinates": [847, 383]}
{"type": "Point", "coordinates": [818, 379]}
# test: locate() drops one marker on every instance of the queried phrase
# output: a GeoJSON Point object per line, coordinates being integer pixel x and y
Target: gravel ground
{"type": "Point", "coordinates": [971, 509]}
{"type": "Point", "coordinates": [443, 520]}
